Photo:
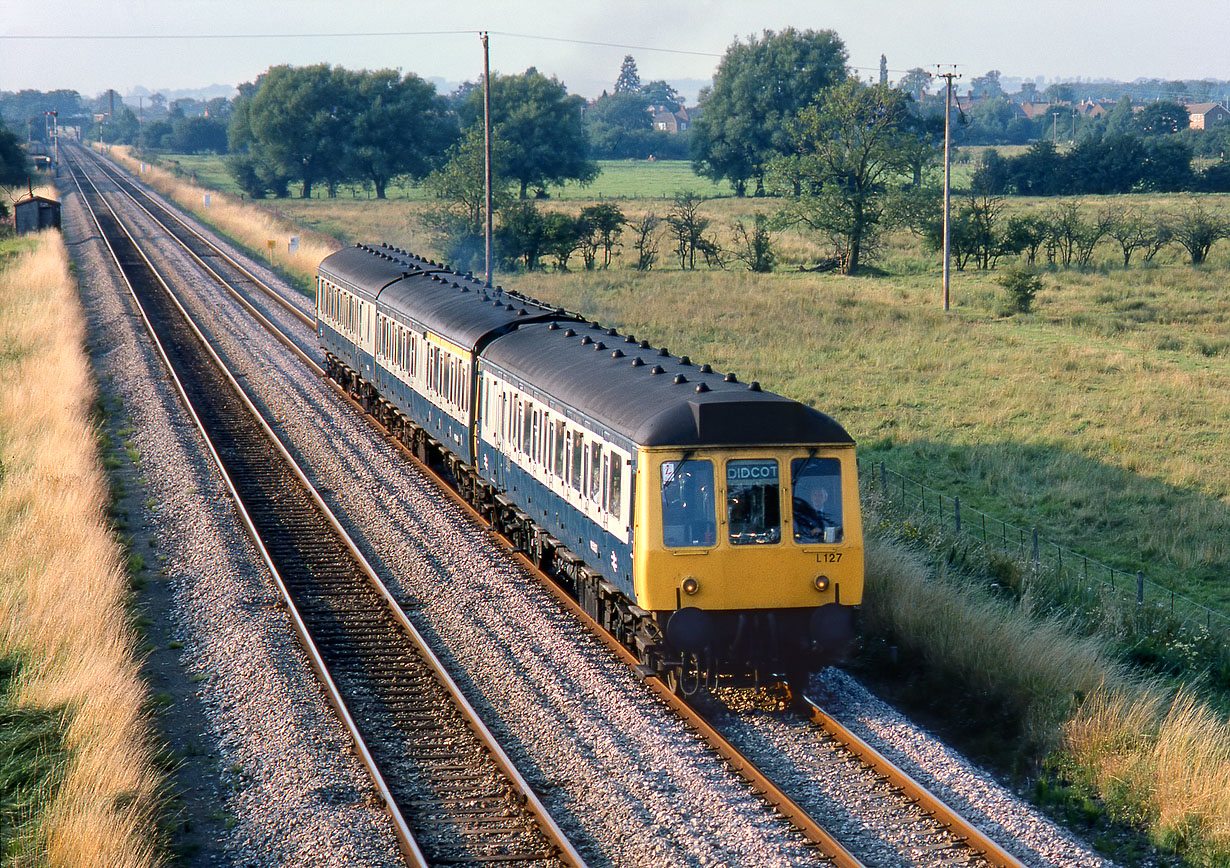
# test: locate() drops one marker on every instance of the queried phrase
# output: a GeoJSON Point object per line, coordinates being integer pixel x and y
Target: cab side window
{"type": "Point", "coordinates": [815, 500]}
{"type": "Point", "coordinates": [689, 516]}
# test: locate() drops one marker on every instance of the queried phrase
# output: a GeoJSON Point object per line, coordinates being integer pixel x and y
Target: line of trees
{"type": "Point", "coordinates": [1118, 163]}
{"type": "Point", "coordinates": [1068, 233]}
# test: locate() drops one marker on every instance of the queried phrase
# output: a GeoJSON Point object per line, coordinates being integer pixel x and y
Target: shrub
{"type": "Point", "coordinates": [1022, 285]}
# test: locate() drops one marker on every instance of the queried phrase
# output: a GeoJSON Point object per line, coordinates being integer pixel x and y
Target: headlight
{"type": "Point", "coordinates": [821, 583]}
{"type": "Point", "coordinates": [690, 585]}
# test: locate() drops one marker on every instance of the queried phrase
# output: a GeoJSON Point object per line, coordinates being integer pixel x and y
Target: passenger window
{"type": "Point", "coordinates": [578, 457]}
{"type": "Point", "coordinates": [815, 500]}
{"type": "Point", "coordinates": [595, 473]}
{"type": "Point", "coordinates": [753, 502]}
{"type": "Point", "coordinates": [560, 440]}
{"type": "Point", "coordinates": [688, 515]}
{"type": "Point", "coordinates": [615, 500]}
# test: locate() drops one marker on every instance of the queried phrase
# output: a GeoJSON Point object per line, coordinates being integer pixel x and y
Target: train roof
{"type": "Point", "coordinates": [650, 396]}
{"type": "Point", "coordinates": [456, 307]}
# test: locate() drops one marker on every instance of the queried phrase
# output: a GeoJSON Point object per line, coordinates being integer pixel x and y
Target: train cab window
{"type": "Point", "coordinates": [688, 515]}
{"type": "Point", "coordinates": [815, 500]}
{"type": "Point", "coordinates": [753, 501]}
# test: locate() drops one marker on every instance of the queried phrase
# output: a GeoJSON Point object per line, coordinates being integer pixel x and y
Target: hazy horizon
{"type": "Point", "coordinates": [197, 44]}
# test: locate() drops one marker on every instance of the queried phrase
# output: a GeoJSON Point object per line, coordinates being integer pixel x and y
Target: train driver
{"type": "Point", "coordinates": [814, 519]}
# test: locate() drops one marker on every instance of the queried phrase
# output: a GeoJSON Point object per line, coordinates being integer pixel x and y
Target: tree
{"type": "Point", "coordinates": [1196, 229]}
{"type": "Point", "coordinates": [987, 86]}
{"type": "Point", "coordinates": [540, 124]}
{"type": "Point", "coordinates": [849, 152]}
{"type": "Point", "coordinates": [296, 122]}
{"type": "Point", "coordinates": [522, 235]}
{"type": "Point", "coordinates": [600, 227]}
{"type": "Point", "coordinates": [400, 127]}
{"type": "Point", "coordinates": [12, 163]}
{"type": "Point", "coordinates": [915, 83]}
{"type": "Point", "coordinates": [758, 88]}
{"type": "Point", "coordinates": [562, 237]}
{"type": "Point", "coordinates": [629, 80]}
{"type": "Point", "coordinates": [661, 93]}
{"type": "Point", "coordinates": [1162, 118]}
{"type": "Point", "coordinates": [687, 226]}
{"type": "Point", "coordinates": [646, 240]}
{"type": "Point", "coordinates": [754, 247]}
{"type": "Point", "coordinates": [460, 224]}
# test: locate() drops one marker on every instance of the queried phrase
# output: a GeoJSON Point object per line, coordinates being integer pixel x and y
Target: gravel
{"type": "Point", "coordinates": [619, 772]}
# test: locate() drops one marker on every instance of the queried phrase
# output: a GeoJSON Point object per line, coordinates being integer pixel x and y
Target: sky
{"type": "Point", "coordinates": [187, 44]}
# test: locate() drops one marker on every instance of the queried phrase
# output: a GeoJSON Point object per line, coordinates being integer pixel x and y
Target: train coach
{"type": "Point", "coordinates": [712, 526]}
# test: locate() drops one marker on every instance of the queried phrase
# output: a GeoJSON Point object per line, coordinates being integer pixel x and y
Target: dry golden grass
{"type": "Point", "coordinates": [250, 224]}
{"type": "Point", "coordinates": [1163, 763]}
{"type": "Point", "coordinates": [62, 585]}
{"type": "Point", "coordinates": [962, 635]}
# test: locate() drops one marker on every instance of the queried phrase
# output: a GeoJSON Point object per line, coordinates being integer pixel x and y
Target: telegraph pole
{"type": "Point", "coordinates": [487, 146]}
{"type": "Point", "coordinates": [948, 76]}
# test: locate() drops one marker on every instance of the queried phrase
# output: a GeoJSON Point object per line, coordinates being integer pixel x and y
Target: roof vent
{"type": "Point", "coordinates": [629, 340]}
{"type": "Point", "coordinates": [600, 346]}
{"type": "Point", "coordinates": [663, 352]}
{"type": "Point", "coordinates": [571, 333]}
{"type": "Point", "coordinates": [644, 345]}
{"type": "Point", "coordinates": [523, 312]}
{"type": "Point", "coordinates": [594, 325]}
{"type": "Point", "coordinates": [753, 386]}
{"type": "Point", "coordinates": [731, 378]}
{"type": "Point", "coordinates": [586, 340]}
{"type": "Point", "coordinates": [617, 354]}
{"type": "Point", "coordinates": [611, 332]}
{"type": "Point", "coordinates": [685, 361]}
{"type": "Point", "coordinates": [680, 379]}
{"type": "Point", "coordinates": [636, 362]}
{"type": "Point", "coordinates": [657, 369]}
{"type": "Point", "coordinates": [508, 307]}
{"type": "Point", "coordinates": [706, 368]}
{"type": "Point", "coordinates": [552, 326]}
{"type": "Point", "coordinates": [701, 387]}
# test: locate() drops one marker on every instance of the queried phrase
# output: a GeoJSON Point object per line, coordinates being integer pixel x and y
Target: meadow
{"type": "Point", "coordinates": [1101, 418]}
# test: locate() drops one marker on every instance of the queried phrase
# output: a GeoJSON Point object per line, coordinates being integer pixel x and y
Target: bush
{"type": "Point", "coordinates": [1022, 285]}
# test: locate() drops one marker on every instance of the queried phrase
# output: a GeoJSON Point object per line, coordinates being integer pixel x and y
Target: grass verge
{"type": "Point", "coordinates": [63, 593]}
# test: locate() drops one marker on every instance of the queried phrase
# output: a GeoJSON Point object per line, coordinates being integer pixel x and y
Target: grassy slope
{"type": "Point", "coordinates": [75, 750]}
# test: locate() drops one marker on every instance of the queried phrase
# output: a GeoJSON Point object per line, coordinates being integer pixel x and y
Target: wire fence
{"type": "Point", "coordinates": [1078, 572]}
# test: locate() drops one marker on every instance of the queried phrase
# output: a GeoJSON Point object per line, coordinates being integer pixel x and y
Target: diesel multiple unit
{"type": "Point", "coordinates": [710, 525]}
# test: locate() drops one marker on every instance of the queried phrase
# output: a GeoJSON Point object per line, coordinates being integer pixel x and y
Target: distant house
{"type": "Point", "coordinates": [1203, 115]}
{"type": "Point", "coordinates": [669, 121]}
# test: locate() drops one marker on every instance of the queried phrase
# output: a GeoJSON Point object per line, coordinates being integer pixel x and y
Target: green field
{"type": "Point", "coordinates": [620, 179]}
{"type": "Point", "coordinates": [1102, 418]}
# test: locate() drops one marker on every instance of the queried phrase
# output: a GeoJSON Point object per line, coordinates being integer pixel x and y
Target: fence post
{"type": "Point", "coordinates": [956, 512]}
{"type": "Point", "coordinates": [1140, 588]}
{"type": "Point", "coordinates": [1035, 548]}
{"type": "Point", "coordinates": [883, 480]}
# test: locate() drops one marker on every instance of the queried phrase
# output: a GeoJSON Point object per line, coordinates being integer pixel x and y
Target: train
{"type": "Point", "coordinates": [711, 526]}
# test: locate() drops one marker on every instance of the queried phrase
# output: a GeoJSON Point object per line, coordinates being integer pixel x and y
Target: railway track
{"type": "Point", "coordinates": [452, 793]}
{"type": "Point", "coordinates": [950, 838]}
